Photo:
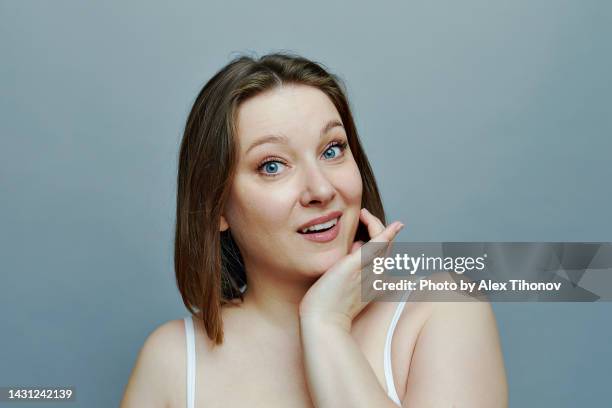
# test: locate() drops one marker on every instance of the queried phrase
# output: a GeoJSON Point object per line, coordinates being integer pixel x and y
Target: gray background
{"type": "Point", "coordinates": [483, 120]}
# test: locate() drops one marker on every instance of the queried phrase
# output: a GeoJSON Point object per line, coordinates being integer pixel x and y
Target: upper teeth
{"type": "Point", "coordinates": [323, 226]}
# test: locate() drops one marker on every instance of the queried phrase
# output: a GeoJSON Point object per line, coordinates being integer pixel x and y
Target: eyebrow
{"type": "Point", "coordinates": [284, 140]}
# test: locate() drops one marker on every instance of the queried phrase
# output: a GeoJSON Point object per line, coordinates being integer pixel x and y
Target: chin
{"type": "Point", "coordinates": [320, 263]}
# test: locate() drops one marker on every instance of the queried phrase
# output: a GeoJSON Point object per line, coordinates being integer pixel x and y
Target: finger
{"type": "Point", "coordinates": [377, 247]}
{"type": "Point", "coordinates": [380, 245]}
{"type": "Point", "coordinates": [356, 245]}
{"type": "Point", "coordinates": [389, 233]}
{"type": "Point", "coordinates": [373, 224]}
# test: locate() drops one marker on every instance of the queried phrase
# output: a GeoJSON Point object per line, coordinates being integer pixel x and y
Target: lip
{"type": "Point", "coordinates": [320, 220]}
{"type": "Point", "coordinates": [324, 236]}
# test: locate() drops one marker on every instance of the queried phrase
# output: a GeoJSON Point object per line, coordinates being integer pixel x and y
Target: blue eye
{"type": "Point", "coordinates": [271, 168]}
{"type": "Point", "coordinates": [331, 153]}
{"type": "Point", "coordinates": [335, 150]}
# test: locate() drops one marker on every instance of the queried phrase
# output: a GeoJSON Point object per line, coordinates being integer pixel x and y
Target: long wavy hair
{"type": "Point", "coordinates": [208, 264]}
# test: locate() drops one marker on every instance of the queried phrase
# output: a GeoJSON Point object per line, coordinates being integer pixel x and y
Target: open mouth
{"type": "Point", "coordinates": [324, 232]}
{"type": "Point", "coordinates": [318, 228]}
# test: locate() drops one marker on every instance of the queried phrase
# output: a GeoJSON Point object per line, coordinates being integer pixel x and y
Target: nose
{"type": "Point", "coordinates": [318, 189]}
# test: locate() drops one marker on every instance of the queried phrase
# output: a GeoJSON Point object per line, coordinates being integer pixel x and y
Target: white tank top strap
{"type": "Point", "coordinates": [191, 361]}
{"type": "Point", "coordinates": [391, 391]}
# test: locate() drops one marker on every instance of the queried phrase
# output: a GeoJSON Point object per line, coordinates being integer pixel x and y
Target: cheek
{"type": "Point", "coordinates": [253, 210]}
{"type": "Point", "coordinates": [350, 185]}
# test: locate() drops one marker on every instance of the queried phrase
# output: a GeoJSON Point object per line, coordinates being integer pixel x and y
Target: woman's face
{"type": "Point", "coordinates": [294, 166]}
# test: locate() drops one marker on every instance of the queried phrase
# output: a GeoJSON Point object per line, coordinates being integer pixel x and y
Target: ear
{"type": "Point", "coordinates": [223, 225]}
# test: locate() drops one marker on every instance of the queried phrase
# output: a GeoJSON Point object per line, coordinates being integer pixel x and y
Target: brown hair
{"type": "Point", "coordinates": [208, 264]}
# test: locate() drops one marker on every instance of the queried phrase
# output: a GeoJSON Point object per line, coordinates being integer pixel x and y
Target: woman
{"type": "Point", "coordinates": [275, 198]}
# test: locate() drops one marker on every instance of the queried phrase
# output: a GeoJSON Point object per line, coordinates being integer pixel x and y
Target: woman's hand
{"type": "Point", "coordinates": [336, 296]}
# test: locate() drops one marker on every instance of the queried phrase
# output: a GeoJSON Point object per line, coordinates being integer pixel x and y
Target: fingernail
{"type": "Point", "coordinates": [399, 227]}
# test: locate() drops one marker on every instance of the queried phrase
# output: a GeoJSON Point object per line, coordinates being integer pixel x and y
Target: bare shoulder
{"type": "Point", "coordinates": [458, 353]}
{"type": "Point", "coordinates": [159, 368]}
{"type": "Point", "coordinates": [456, 307]}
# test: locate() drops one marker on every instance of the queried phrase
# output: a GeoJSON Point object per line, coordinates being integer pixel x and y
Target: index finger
{"type": "Point", "coordinates": [389, 233]}
{"type": "Point", "coordinates": [376, 246]}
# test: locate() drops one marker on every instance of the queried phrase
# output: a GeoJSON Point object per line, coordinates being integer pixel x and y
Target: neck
{"type": "Point", "coordinates": [276, 300]}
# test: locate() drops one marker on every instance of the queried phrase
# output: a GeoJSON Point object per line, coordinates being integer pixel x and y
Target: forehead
{"type": "Point", "coordinates": [291, 110]}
